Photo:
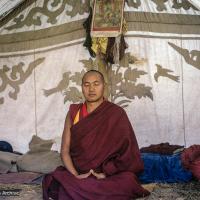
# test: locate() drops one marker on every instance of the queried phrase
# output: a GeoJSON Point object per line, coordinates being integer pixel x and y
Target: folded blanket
{"type": "Point", "coordinates": [163, 169]}
{"type": "Point", "coordinates": [19, 178]}
{"type": "Point", "coordinates": [162, 148]}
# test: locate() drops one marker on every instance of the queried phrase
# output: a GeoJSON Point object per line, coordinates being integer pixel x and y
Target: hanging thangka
{"type": "Point", "coordinates": [107, 29]}
{"type": "Point", "coordinates": [107, 18]}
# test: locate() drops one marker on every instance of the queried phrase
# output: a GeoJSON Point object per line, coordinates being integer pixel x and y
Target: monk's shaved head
{"type": "Point", "coordinates": [93, 72]}
{"type": "Point", "coordinates": [93, 86]}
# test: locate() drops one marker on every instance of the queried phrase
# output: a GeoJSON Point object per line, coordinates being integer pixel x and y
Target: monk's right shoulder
{"type": "Point", "coordinates": [74, 106]}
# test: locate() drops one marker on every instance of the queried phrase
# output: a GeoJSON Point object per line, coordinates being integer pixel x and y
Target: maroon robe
{"type": "Point", "coordinates": [105, 142]}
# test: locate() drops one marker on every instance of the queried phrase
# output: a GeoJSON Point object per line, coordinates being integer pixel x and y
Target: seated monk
{"type": "Point", "coordinates": [99, 151]}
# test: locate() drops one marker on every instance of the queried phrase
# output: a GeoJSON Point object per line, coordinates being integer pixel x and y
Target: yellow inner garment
{"type": "Point", "coordinates": [76, 119]}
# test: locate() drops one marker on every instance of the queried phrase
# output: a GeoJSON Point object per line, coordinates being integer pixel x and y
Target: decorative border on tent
{"type": "Point", "coordinates": [139, 21]}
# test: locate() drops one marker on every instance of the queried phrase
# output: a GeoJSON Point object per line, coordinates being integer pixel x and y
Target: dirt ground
{"type": "Point", "coordinates": [22, 191]}
{"type": "Point", "coordinates": [188, 191]}
{"type": "Point", "coordinates": [175, 191]}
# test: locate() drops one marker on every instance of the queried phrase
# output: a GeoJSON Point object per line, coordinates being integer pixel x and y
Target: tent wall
{"type": "Point", "coordinates": [42, 59]}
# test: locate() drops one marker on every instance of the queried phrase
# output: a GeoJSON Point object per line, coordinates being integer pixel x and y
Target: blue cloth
{"type": "Point", "coordinates": [5, 146]}
{"type": "Point", "coordinates": [163, 169]}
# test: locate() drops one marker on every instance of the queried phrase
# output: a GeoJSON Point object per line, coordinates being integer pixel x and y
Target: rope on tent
{"type": "Point", "coordinates": [35, 89]}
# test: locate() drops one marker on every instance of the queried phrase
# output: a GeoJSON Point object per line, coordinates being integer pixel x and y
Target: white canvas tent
{"type": "Point", "coordinates": [42, 59]}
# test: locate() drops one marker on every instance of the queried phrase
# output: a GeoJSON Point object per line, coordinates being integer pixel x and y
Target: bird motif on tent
{"type": "Point", "coordinates": [123, 84]}
{"type": "Point", "coordinates": [164, 72]}
{"type": "Point", "coordinates": [62, 85]}
{"type": "Point", "coordinates": [191, 57]}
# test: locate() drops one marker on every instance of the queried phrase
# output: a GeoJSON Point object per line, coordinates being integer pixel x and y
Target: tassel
{"type": "Point", "coordinates": [88, 39]}
{"type": "Point", "coordinates": [116, 49]}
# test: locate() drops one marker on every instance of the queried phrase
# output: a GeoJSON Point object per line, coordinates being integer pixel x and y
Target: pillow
{"type": "Point", "coordinates": [38, 145]}
{"type": "Point", "coordinates": [41, 162]}
{"type": "Point", "coordinates": [5, 146]}
{"type": "Point", "coordinates": [39, 158]}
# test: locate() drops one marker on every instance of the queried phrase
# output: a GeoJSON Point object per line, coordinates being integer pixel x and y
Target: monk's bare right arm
{"type": "Point", "coordinates": [65, 150]}
{"type": "Point", "coordinates": [65, 147]}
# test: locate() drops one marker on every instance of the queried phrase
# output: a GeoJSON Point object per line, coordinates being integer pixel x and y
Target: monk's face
{"type": "Point", "coordinates": [93, 87]}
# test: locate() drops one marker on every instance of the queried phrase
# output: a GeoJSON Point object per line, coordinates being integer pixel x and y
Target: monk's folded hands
{"type": "Point", "coordinates": [98, 175]}
{"type": "Point", "coordinates": [82, 176]}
